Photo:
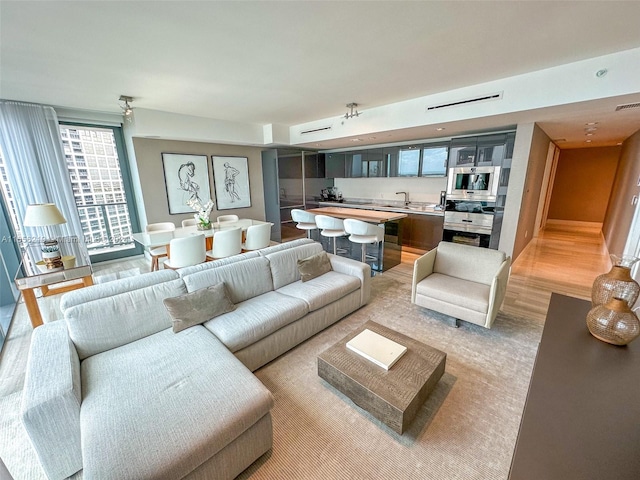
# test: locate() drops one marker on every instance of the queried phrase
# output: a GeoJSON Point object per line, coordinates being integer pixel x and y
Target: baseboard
{"type": "Point", "coordinates": [574, 223]}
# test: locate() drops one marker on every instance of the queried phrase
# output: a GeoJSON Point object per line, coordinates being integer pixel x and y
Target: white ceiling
{"type": "Point", "coordinates": [293, 62]}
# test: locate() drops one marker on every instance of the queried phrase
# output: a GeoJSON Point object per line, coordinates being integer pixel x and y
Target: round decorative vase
{"type": "Point", "coordinates": [613, 322]}
{"type": "Point", "coordinates": [616, 283]}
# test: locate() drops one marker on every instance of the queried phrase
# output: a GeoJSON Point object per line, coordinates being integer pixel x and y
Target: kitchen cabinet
{"type": "Point", "coordinates": [481, 151]}
{"type": "Point", "coordinates": [314, 165]}
{"type": "Point", "coordinates": [353, 164]}
{"type": "Point", "coordinates": [334, 166]}
{"type": "Point", "coordinates": [423, 232]}
{"type": "Point", "coordinates": [462, 152]}
{"type": "Point", "coordinates": [287, 185]}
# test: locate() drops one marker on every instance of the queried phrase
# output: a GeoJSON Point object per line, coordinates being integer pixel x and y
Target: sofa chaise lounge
{"type": "Point", "coordinates": [111, 390]}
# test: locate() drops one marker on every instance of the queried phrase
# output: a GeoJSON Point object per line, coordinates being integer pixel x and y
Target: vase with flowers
{"type": "Point", "coordinates": [203, 211]}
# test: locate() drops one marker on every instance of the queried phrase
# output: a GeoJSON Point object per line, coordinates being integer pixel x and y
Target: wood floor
{"type": "Point", "coordinates": [563, 259]}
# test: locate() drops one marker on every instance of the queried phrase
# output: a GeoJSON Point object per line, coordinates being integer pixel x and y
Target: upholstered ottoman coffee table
{"type": "Point", "coordinates": [392, 396]}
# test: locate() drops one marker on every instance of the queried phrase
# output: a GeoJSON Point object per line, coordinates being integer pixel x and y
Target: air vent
{"type": "Point", "coordinates": [628, 105]}
{"type": "Point", "coordinates": [484, 98]}
{"type": "Point", "coordinates": [315, 130]}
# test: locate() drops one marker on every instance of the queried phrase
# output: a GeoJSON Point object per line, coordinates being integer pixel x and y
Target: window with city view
{"type": "Point", "coordinates": [98, 187]}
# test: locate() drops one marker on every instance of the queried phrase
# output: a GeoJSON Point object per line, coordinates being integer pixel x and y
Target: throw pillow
{"type": "Point", "coordinates": [198, 307]}
{"type": "Point", "coordinates": [314, 266]}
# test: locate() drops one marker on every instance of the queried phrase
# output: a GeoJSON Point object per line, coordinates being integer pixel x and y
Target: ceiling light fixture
{"type": "Point", "coordinates": [439, 129]}
{"type": "Point", "coordinates": [127, 110]}
{"type": "Point", "coordinates": [352, 114]}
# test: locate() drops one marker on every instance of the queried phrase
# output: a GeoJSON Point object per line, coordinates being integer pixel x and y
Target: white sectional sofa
{"type": "Point", "coordinates": [111, 390]}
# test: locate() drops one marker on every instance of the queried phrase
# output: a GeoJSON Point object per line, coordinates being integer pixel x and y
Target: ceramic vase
{"type": "Point", "coordinates": [613, 322]}
{"type": "Point", "coordinates": [616, 283]}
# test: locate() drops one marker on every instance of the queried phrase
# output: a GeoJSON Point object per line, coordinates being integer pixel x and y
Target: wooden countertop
{"type": "Point", "coordinates": [372, 216]}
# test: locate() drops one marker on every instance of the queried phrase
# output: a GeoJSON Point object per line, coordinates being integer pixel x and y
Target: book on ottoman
{"type": "Point", "coordinates": [376, 348]}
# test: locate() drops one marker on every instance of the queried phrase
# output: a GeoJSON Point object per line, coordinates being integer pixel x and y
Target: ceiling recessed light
{"type": "Point", "coordinates": [372, 138]}
{"type": "Point", "coordinates": [601, 73]}
{"type": "Point", "coordinates": [588, 141]}
{"type": "Point", "coordinates": [591, 123]}
{"type": "Point", "coordinates": [588, 134]}
{"type": "Point", "coordinates": [356, 139]}
{"type": "Point", "coordinates": [439, 129]}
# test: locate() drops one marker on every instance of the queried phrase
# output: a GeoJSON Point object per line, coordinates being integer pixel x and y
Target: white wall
{"type": "Point", "coordinates": [419, 189]}
{"type": "Point", "coordinates": [565, 84]}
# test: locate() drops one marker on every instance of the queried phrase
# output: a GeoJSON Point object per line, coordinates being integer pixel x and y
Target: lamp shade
{"type": "Point", "coordinates": [43, 214]}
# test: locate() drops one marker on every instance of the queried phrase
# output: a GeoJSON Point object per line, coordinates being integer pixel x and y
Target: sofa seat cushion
{"type": "Point", "coordinates": [255, 318]}
{"type": "Point", "coordinates": [471, 295]}
{"type": "Point", "coordinates": [322, 290]}
{"type": "Point", "coordinates": [160, 407]}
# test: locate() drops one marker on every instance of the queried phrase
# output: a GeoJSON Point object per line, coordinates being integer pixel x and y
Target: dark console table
{"type": "Point", "coordinates": [581, 419]}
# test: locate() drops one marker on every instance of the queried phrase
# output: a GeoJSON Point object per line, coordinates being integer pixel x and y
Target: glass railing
{"type": "Point", "coordinates": [106, 226]}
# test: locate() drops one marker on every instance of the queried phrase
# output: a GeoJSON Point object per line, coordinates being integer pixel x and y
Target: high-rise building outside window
{"type": "Point", "coordinates": [94, 169]}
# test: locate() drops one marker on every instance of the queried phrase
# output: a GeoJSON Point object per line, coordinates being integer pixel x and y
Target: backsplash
{"type": "Point", "coordinates": [420, 189]}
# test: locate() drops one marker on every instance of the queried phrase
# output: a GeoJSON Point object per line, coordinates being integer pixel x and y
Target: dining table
{"type": "Point", "coordinates": [164, 237]}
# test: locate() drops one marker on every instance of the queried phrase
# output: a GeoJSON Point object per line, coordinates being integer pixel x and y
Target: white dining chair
{"type": "Point", "coordinates": [257, 237]}
{"type": "Point", "coordinates": [227, 218]}
{"type": "Point", "coordinates": [186, 251]}
{"type": "Point", "coordinates": [226, 243]}
{"type": "Point", "coordinates": [363, 233]}
{"type": "Point", "coordinates": [158, 252]}
{"type": "Point", "coordinates": [330, 227]}
{"type": "Point", "coordinates": [304, 220]}
{"type": "Point", "coordinates": [189, 222]}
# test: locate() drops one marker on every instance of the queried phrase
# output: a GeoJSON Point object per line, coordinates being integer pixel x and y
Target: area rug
{"type": "Point", "coordinates": [466, 429]}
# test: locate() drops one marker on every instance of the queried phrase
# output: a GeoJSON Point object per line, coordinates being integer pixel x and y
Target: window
{"type": "Point", "coordinates": [106, 219]}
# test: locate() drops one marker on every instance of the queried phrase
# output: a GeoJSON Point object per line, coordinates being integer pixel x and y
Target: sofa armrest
{"type": "Point", "coordinates": [51, 399]}
{"type": "Point", "coordinates": [422, 268]}
{"type": "Point", "coordinates": [356, 269]}
{"type": "Point", "coordinates": [498, 291]}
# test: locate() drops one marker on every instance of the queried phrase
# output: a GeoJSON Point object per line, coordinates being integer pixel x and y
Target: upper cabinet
{"type": "Point", "coordinates": [314, 165]}
{"type": "Point", "coordinates": [481, 151]}
{"type": "Point", "coordinates": [422, 159]}
{"type": "Point", "coordinates": [334, 165]}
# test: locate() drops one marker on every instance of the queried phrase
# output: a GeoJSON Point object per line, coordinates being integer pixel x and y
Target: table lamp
{"type": "Point", "coordinates": [45, 215]}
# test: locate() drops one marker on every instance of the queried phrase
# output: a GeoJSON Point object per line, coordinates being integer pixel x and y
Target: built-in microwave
{"type": "Point", "coordinates": [473, 183]}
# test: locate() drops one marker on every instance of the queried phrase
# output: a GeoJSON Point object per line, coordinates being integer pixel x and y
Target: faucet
{"type": "Point", "coordinates": [406, 197]}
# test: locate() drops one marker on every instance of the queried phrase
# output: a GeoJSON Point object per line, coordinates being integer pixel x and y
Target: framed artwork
{"type": "Point", "coordinates": [231, 179]}
{"type": "Point", "coordinates": [186, 177]}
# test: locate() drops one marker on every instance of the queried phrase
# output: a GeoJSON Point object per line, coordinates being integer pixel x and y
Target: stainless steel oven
{"type": "Point", "coordinates": [470, 223]}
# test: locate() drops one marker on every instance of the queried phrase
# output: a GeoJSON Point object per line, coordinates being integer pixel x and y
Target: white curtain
{"type": "Point", "coordinates": [36, 165]}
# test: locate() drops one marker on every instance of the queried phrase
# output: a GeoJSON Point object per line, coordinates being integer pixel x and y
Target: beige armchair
{"type": "Point", "coordinates": [464, 282]}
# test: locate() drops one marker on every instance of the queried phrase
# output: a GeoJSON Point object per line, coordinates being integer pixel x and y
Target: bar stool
{"type": "Point", "coordinates": [363, 233]}
{"type": "Point", "coordinates": [330, 227]}
{"type": "Point", "coordinates": [304, 220]}
{"type": "Point", "coordinates": [158, 252]}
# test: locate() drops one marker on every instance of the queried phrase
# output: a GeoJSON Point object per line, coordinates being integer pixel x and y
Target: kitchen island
{"type": "Point", "coordinates": [388, 253]}
{"type": "Point", "coordinates": [419, 231]}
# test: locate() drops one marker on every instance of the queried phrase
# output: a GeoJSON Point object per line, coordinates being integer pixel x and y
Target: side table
{"type": "Point", "coordinates": [28, 278]}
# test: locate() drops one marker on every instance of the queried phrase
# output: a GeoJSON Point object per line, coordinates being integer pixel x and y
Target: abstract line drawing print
{"type": "Point", "coordinates": [230, 174]}
{"type": "Point", "coordinates": [186, 179]}
{"type": "Point", "coordinates": [186, 172]}
{"type": "Point", "coordinates": [231, 179]}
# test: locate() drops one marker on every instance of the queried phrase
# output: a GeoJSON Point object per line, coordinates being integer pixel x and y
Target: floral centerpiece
{"type": "Point", "coordinates": [202, 217]}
